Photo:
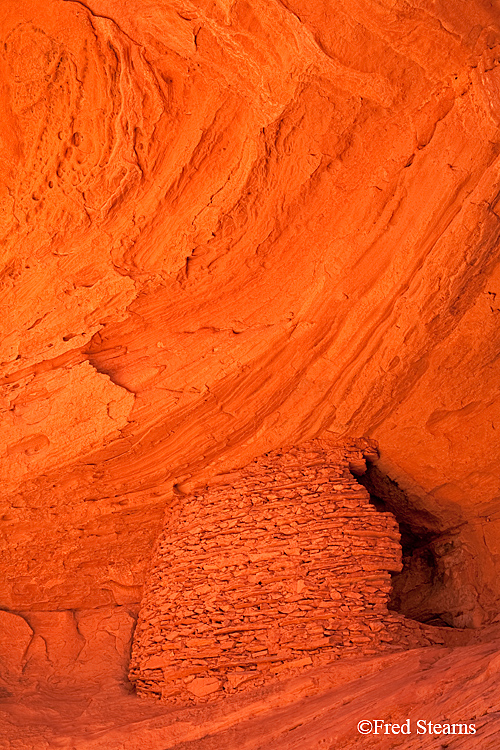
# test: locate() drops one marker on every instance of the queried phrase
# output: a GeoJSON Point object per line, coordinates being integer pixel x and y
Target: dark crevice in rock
{"type": "Point", "coordinates": [423, 590]}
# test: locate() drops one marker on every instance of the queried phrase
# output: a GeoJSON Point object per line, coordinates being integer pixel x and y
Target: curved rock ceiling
{"type": "Point", "coordinates": [230, 226]}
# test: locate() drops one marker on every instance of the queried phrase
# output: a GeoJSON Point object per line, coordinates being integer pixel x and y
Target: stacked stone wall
{"type": "Point", "coordinates": [279, 566]}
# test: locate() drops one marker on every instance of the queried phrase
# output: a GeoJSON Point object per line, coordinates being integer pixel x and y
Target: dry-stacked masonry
{"type": "Point", "coordinates": [281, 565]}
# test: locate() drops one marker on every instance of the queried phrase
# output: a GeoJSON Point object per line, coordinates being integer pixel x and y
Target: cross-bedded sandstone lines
{"type": "Point", "coordinates": [279, 566]}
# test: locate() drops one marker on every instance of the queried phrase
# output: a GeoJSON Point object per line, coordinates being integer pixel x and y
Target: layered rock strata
{"type": "Point", "coordinates": [281, 565]}
{"type": "Point", "coordinates": [233, 226]}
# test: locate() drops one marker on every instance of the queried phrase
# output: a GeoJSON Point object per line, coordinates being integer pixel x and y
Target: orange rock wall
{"type": "Point", "coordinates": [230, 226]}
{"type": "Point", "coordinates": [282, 565]}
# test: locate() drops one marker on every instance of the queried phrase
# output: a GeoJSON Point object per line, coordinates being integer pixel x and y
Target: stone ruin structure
{"type": "Point", "coordinates": [282, 565]}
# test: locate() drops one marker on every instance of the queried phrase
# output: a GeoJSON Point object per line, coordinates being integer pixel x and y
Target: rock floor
{"type": "Point", "coordinates": [317, 711]}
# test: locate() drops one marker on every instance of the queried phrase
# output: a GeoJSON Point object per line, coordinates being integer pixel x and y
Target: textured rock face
{"type": "Point", "coordinates": [228, 227]}
{"type": "Point", "coordinates": [280, 566]}
{"type": "Point", "coordinates": [64, 651]}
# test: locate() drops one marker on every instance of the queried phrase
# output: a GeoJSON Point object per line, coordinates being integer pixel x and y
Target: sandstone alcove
{"type": "Point", "coordinates": [229, 228]}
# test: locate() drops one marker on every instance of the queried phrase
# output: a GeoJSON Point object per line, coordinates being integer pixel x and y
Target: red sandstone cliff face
{"type": "Point", "coordinates": [229, 227]}
{"type": "Point", "coordinates": [232, 226]}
